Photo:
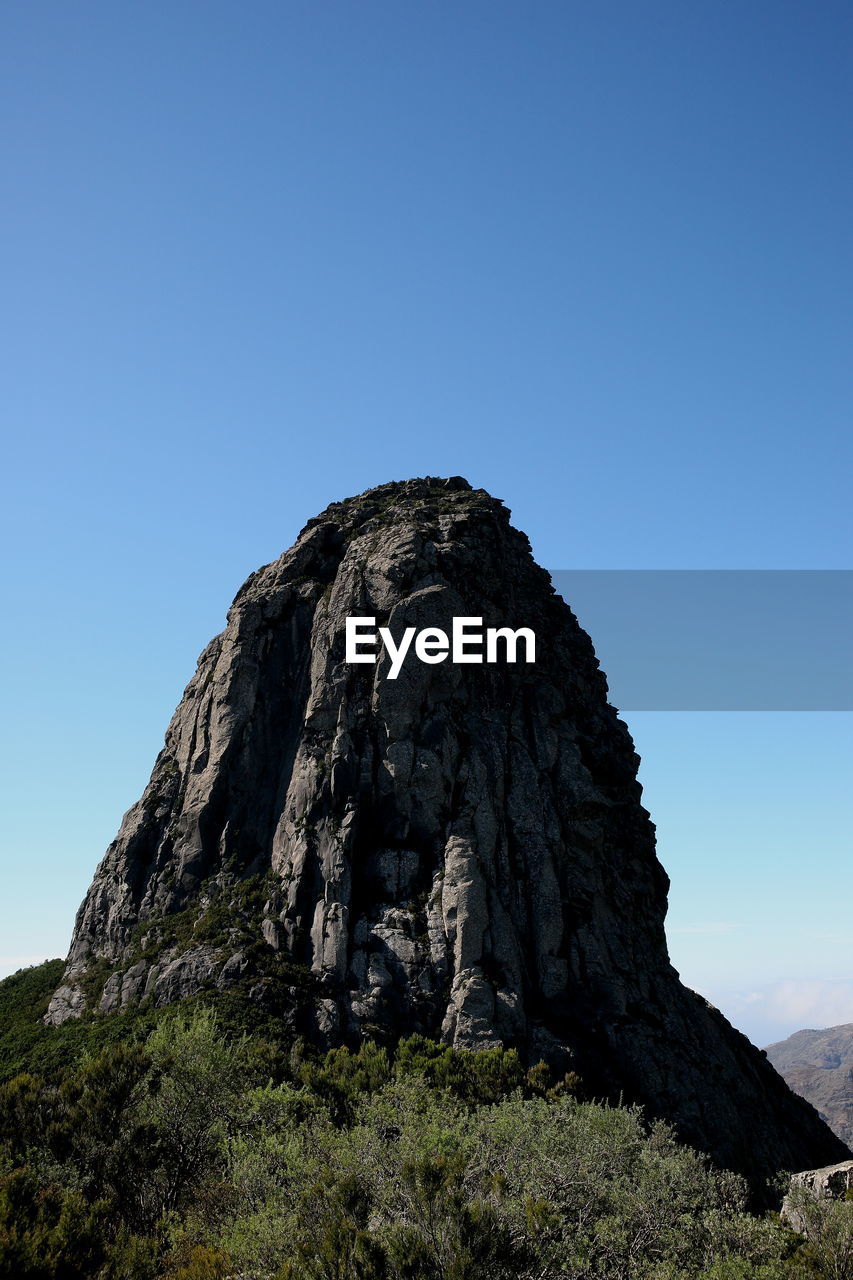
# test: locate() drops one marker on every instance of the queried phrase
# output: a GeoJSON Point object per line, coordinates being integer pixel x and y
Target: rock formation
{"type": "Point", "coordinates": [832, 1183]}
{"type": "Point", "coordinates": [461, 851]}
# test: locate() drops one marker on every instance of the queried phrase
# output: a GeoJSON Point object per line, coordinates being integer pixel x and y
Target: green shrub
{"type": "Point", "coordinates": [193, 1144]}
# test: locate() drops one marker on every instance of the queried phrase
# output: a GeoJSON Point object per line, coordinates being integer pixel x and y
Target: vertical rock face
{"type": "Point", "coordinates": [461, 851]}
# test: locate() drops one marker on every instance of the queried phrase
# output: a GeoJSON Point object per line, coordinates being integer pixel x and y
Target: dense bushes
{"type": "Point", "coordinates": [190, 1154]}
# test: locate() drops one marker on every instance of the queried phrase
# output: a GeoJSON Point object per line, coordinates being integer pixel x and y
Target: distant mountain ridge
{"type": "Point", "coordinates": [818, 1065]}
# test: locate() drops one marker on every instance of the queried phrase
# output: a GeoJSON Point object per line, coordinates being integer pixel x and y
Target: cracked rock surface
{"type": "Point", "coordinates": [461, 852]}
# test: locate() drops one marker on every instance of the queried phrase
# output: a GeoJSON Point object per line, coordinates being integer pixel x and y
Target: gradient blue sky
{"type": "Point", "coordinates": [595, 257]}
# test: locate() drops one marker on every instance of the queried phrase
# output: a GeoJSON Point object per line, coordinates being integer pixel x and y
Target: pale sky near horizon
{"type": "Point", "coordinates": [596, 258]}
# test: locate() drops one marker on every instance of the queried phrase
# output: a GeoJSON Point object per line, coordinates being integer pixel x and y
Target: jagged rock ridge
{"type": "Point", "coordinates": [462, 851]}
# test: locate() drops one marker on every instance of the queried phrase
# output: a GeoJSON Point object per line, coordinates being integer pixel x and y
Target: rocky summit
{"type": "Point", "coordinates": [460, 851]}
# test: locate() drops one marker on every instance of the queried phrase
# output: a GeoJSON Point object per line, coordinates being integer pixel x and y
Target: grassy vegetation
{"type": "Point", "coordinates": [226, 921]}
{"type": "Point", "coordinates": [200, 1144]}
{"type": "Point", "coordinates": [227, 917]}
{"type": "Point", "coordinates": [27, 1045]}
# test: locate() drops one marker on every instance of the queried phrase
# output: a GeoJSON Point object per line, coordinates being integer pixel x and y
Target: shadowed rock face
{"type": "Point", "coordinates": [461, 851]}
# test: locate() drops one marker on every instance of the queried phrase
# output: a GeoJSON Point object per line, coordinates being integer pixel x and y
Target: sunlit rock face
{"type": "Point", "coordinates": [461, 851]}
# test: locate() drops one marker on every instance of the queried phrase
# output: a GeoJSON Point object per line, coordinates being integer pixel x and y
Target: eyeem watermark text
{"type": "Point", "coordinates": [465, 644]}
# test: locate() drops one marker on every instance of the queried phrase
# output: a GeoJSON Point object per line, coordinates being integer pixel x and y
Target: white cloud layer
{"type": "Point", "coordinates": [774, 1011]}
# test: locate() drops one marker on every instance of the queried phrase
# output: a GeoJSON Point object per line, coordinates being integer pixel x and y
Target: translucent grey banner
{"type": "Point", "coordinates": [718, 639]}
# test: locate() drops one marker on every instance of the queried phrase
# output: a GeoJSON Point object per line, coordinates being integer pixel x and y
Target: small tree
{"type": "Point", "coordinates": [195, 1102]}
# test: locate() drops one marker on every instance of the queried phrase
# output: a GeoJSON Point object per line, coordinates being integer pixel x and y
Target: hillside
{"type": "Point", "coordinates": [818, 1065]}
{"type": "Point", "coordinates": [164, 1145]}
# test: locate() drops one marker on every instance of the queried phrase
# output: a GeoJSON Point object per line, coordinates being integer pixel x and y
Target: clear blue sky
{"type": "Point", "coordinates": [595, 257]}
